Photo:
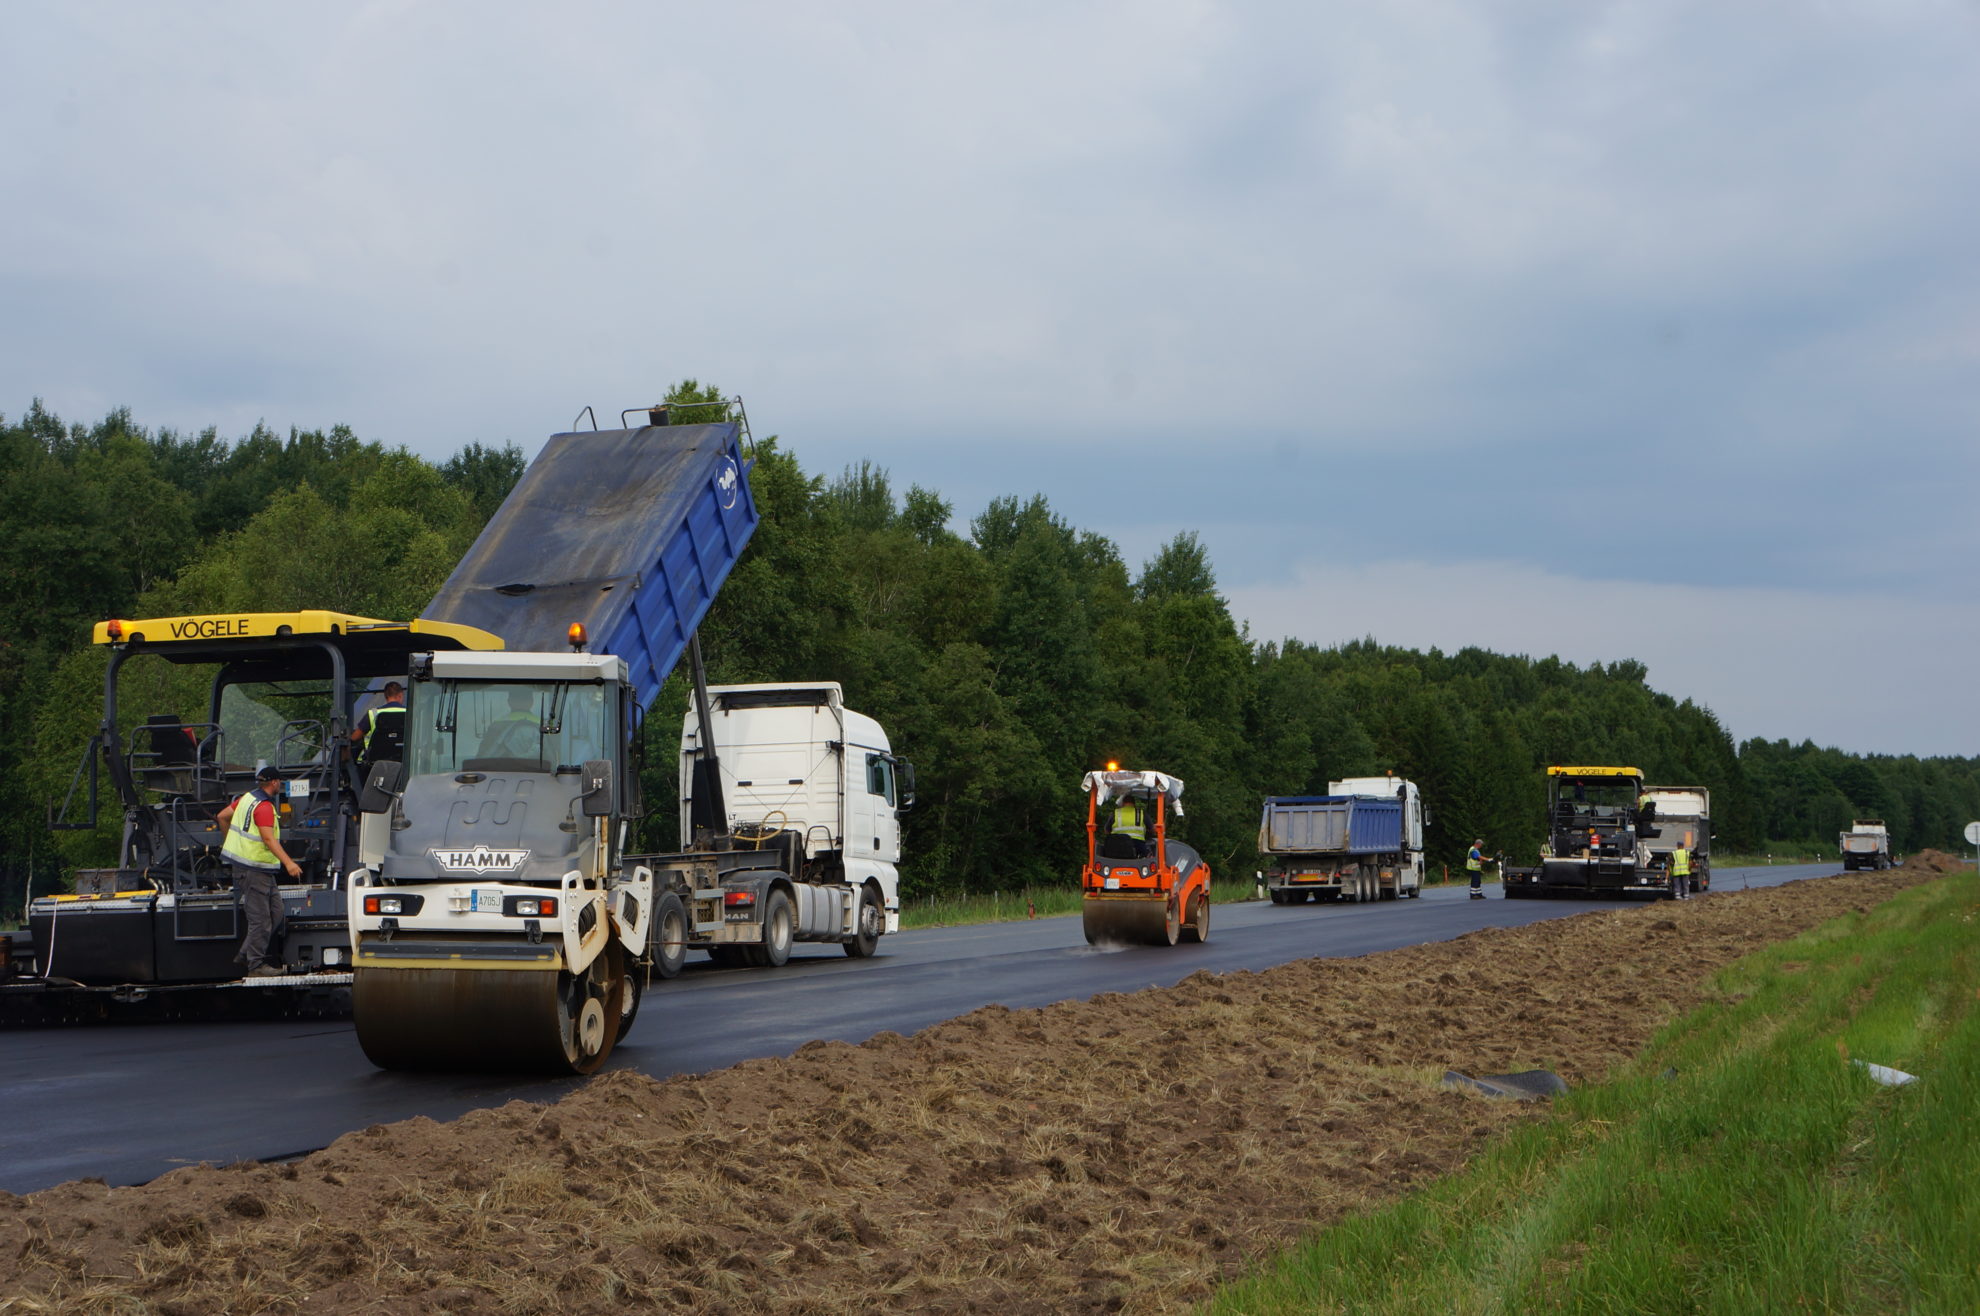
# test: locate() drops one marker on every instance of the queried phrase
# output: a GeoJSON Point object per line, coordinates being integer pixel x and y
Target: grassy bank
{"type": "Point", "coordinates": [1741, 1164]}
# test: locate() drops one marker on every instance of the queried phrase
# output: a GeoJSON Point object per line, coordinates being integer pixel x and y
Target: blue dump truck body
{"type": "Point", "coordinates": [1331, 825]}
{"type": "Point", "coordinates": [1351, 847]}
{"type": "Point", "coordinates": [630, 532]}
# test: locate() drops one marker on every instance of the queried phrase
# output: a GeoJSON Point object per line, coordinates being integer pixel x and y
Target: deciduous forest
{"type": "Point", "coordinates": [1006, 655]}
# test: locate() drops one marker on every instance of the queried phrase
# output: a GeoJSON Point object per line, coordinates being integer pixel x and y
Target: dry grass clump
{"type": "Point", "coordinates": [1122, 1153]}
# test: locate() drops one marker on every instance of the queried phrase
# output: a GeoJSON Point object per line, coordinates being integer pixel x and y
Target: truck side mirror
{"type": "Point", "coordinates": [601, 796]}
{"type": "Point", "coordinates": [381, 786]}
{"type": "Point", "coordinates": [903, 786]}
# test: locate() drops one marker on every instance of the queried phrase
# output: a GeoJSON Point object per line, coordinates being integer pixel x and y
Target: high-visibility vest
{"type": "Point", "coordinates": [1130, 819]}
{"type": "Point", "coordinates": [244, 844]}
{"type": "Point", "coordinates": [1680, 863]}
{"type": "Point", "coordinates": [1474, 862]}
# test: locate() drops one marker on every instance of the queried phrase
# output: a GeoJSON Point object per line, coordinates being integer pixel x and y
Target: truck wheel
{"type": "Point", "coordinates": [670, 935]}
{"type": "Point", "coordinates": [1278, 896]}
{"type": "Point", "coordinates": [867, 925]}
{"type": "Point", "coordinates": [779, 930]}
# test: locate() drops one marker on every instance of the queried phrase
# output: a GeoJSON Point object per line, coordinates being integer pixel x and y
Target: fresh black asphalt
{"type": "Point", "coordinates": [128, 1103]}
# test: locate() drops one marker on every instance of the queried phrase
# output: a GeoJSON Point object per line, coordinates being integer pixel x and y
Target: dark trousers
{"type": "Point", "coordinates": [261, 902]}
{"type": "Point", "coordinates": [1477, 879]}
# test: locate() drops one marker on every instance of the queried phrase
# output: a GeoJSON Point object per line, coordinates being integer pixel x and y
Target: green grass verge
{"type": "Point", "coordinates": [1740, 1165]}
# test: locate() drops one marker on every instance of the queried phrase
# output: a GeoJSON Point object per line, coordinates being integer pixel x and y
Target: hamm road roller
{"type": "Point", "coordinates": [1142, 887]}
{"type": "Point", "coordinates": [504, 916]}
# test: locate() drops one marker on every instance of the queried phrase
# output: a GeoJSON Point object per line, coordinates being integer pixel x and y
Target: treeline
{"type": "Point", "coordinates": [112, 520]}
{"type": "Point", "coordinates": [1005, 661]}
{"type": "Point", "coordinates": [1806, 795]}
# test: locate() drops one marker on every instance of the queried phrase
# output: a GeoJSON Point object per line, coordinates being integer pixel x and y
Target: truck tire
{"type": "Point", "coordinates": [670, 935]}
{"type": "Point", "coordinates": [779, 930]}
{"type": "Point", "coordinates": [1279, 896]}
{"type": "Point", "coordinates": [868, 924]}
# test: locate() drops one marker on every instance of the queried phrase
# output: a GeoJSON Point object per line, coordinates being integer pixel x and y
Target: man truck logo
{"type": "Point", "coordinates": [727, 483]}
{"type": "Point", "coordinates": [479, 859]}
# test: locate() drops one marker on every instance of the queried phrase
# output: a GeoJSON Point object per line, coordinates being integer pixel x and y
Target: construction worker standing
{"type": "Point", "coordinates": [254, 848]}
{"type": "Point", "coordinates": [1474, 863]}
{"type": "Point", "coordinates": [1680, 874]}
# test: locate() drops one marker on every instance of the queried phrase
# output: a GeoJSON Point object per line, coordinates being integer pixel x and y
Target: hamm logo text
{"type": "Point", "coordinates": [479, 859]}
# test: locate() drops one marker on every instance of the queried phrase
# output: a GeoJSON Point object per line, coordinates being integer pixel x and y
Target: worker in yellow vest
{"type": "Point", "coordinates": [1474, 864]}
{"type": "Point", "coordinates": [1131, 820]}
{"type": "Point", "coordinates": [1680, 874]}
{"type": "Point", "coordinates": [254, 848]}
{"type": "Point", "coordinates": [381, 733]}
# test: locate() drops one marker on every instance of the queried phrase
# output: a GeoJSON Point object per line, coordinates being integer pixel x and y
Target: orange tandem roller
{"type": "Point", "coordinates": [1142, 887]}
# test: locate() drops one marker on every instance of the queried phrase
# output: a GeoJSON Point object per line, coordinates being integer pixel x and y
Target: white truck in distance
{"type": "Point", "coordinates": [1683, 818]}
{"type": "Point", "coordinates": [1867, 844]}
{"type": "Point", "coordinates": [805, 777]}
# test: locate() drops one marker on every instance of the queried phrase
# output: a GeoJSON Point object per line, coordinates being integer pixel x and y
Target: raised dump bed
{"type": "Point", "coordinates": [630, 532]}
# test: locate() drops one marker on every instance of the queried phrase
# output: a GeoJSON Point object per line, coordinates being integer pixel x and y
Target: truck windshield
{"type": "Point", "coordinates": [507, 726]}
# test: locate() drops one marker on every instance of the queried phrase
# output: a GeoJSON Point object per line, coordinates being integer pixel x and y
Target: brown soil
{"type": "Point", "coordinates": [1124, 1153]}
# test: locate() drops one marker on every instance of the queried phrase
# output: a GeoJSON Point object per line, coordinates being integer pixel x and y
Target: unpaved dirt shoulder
{"type": "Point", "coordinates": [1124, 1152]}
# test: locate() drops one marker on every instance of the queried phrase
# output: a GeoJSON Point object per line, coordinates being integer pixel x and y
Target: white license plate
{"type": "Point", "coordinates": [485, 900]}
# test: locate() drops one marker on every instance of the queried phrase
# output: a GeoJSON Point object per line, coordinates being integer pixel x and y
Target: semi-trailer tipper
{"type": "Point", "coordinates": [503, 920]}
{"type": "Point", "coordinates": [1361, 841]}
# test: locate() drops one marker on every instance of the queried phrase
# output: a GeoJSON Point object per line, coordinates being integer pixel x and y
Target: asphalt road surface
{"type": "Point", "coordinates": [128, 1103]}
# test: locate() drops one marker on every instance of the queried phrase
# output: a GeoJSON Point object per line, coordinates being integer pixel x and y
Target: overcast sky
{"type": "Point", "coordinates": [1610, 330]}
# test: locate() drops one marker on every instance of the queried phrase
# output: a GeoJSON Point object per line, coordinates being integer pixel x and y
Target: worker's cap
{"type": "Point", "coordinates": [268, 772]}
{"type": "Point", "coordinates": [394, 688]}
{"type": "Point", "coordinates": [1478, 840]}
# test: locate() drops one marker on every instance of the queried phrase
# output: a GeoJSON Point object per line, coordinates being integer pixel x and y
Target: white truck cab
{"type": "Point", "coordinates": [794, 759]}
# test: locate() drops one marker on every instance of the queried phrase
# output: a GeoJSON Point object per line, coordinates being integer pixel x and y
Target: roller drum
{"type": "Point", "coordinates": [511, 1020]}
{"type": "Point", "coordinates": [1130, 920]}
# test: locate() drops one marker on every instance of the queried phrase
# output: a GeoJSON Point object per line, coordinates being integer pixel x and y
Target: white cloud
{"type": "Point", "coordinates": [1857, 671]}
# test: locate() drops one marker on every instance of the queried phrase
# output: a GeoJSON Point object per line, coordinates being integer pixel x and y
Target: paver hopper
{"type": "Point", "coordinates": [1141, 886]}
